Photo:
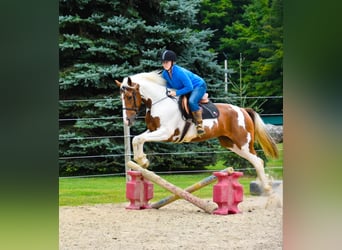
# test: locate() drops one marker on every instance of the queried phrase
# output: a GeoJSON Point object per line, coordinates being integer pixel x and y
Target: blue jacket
{"type": "Point", "coordinates": [183, 80]}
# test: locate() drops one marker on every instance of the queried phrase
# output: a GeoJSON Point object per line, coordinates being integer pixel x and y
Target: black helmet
{"type": "Point", "coordinates": [168, 55]}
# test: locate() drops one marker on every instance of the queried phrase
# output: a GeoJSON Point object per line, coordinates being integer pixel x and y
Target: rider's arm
{"type": "Point", "coordinates": [185, 84]}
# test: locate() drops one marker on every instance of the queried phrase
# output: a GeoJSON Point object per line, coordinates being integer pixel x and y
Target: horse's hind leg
{"type": "Point", "coordinates": [256, 161]}
{"type": "Point", "coordinates": [258, 164]}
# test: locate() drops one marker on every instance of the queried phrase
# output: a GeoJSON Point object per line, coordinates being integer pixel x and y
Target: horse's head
{"type": "Point", "coordinates": [131, 99]}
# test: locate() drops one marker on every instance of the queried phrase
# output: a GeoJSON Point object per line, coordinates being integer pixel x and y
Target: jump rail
{"type": "Point", "coordinates": [205, 182]}
{"type": "Point", "coordinates": [208, 207]}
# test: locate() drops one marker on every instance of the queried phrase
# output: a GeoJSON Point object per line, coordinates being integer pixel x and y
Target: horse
{"type": "Point", "coordinates": [236, 128]}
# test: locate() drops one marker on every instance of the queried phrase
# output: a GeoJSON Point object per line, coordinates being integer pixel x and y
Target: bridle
{"type": "Point", "coordinates": [135, 106]}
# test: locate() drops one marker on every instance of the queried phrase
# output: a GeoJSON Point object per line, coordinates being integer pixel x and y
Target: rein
{"type": "Point", "coordinates": [135, 108]}
{"type": "Point", "coordinates": [160, 100]}
{"type": "Point", "coordinates": [165, 97]}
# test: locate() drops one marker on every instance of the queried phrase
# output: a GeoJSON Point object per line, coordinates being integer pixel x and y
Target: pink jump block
{"type": "Point", "coordinates": [227, 193]}
{"type": "Point", "coordinates": [138, 191]}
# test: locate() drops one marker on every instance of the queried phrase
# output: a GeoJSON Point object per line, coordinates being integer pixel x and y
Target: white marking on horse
{"type": "Point", "coordinates": [256, 161]}
{"type": "Point", "coordinates": [192, 132]}
{"type": "Point", "coordinates": [210, 123]}
{"type": "Point", "coordinates": [241, 118]}
{"type": "Point", "coordinates": [245, 147]}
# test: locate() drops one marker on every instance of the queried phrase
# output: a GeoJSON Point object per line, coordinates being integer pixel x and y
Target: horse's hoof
{"type": "Point", "coordinates": [145, 163]}
{"type": "Point", "coordinates": [230, 170]}
{"type": "Point", "coordinates": [267, 190]}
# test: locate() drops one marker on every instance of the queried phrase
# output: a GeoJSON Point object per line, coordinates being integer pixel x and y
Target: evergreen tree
{"type": "Point", "coordinates": [105, 40]}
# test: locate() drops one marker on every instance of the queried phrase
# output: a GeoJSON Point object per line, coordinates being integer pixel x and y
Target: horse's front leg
{"type": "Point", "coordinates": [138, 150]}
{"type": "Point", "coordinates": [147, 136]}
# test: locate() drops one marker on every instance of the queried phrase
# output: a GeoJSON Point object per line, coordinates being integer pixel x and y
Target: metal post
{"type": "Point", "coordinates": [127, 141]}
{"type": "Point", "coordinates": [225, 76]}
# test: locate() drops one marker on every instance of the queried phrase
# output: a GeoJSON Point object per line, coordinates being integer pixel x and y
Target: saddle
{"type": "Point", "coordinates": [210, 111]}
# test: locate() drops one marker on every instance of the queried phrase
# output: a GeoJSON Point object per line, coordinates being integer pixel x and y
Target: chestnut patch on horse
{"type": "Point", "coordinates": [152, 123]}
{"type": "Point", "coordinates": [175, 133]}
{"type": "Point", "coordinates": [148, 103]}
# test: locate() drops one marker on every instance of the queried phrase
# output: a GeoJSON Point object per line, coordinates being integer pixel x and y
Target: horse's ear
{"type": "Point", "coordinates": [129, 82]}
{"type": "Point", "coordinates": [118, 83]}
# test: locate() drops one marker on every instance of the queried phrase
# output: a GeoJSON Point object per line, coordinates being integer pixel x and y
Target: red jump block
{"type": "Point", "coordinates": [227, 193]}
{"type": "Point", "coordinates": [138, 191]}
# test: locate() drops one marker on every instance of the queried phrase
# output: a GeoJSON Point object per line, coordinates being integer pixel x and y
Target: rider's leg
{"type": "Point", "coordinates": [194, 100]}
{"type": "Point", "coordinates": [199, 122]}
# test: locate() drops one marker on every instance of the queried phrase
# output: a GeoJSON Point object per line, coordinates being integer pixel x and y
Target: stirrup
{"type": "Point", "coordinates": [200, 131]}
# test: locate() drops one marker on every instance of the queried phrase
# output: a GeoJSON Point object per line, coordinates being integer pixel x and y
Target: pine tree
{"type": "Point", "coordinates": [105, 40]}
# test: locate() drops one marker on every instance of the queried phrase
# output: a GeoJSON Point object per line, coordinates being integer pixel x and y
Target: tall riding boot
{"type": "Point", "coordinates": [199, 122]}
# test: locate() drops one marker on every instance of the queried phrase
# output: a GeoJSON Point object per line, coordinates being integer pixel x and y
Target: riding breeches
{"type": "Point", "coordinates": [195, 97]}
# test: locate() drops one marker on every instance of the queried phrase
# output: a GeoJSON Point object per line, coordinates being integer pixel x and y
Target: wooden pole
{"type": "Point", "coordinates": [225, 76]}
{"type": "Point", "coordinates": [208, 207]}
{"type": "Point", "coordinates": [205, 182]}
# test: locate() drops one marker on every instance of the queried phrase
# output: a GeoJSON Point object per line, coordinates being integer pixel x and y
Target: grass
{"type": "Point", "coordinates": [79, 191]}
{"type": "Point", "coordinates": [100, 190]}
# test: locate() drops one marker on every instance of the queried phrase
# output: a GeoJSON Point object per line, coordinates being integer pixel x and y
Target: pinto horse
{"type": "Point", "coordinates": [236, 128]}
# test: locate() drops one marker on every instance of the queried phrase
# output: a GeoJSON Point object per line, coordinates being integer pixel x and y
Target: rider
{"type": "Point", "coordinates": [184, 82]}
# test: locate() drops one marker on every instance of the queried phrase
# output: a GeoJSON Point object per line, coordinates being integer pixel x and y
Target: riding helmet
{"type": "Point", "coordinates": [168, 55]}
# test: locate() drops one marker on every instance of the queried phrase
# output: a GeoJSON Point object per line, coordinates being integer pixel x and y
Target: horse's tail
{"type": "Point", "coordinates": [262, 136]}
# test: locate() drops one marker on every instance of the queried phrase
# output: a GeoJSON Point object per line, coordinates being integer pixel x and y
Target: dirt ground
{"type": "Point", "coordinates": [179, 225]}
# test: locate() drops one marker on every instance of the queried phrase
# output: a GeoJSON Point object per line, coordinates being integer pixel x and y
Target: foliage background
{"type": "Point", "coordinates": [100, 41]}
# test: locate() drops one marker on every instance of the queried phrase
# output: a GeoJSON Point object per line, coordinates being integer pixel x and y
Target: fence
{"type": "Point", "coordinates": [128, 154]}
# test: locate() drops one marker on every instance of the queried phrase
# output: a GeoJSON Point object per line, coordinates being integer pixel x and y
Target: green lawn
{"type": "Point", "coordinates": [98, 190]}
{"type": "Point", "coordinates": [80, 191]}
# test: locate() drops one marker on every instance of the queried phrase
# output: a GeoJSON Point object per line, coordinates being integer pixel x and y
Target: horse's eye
{"type": "Point", "coordinates": [129, 98]}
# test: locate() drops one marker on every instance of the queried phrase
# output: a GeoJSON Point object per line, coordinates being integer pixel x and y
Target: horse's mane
{"type": "Point", "coordinates": [152, 76]}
